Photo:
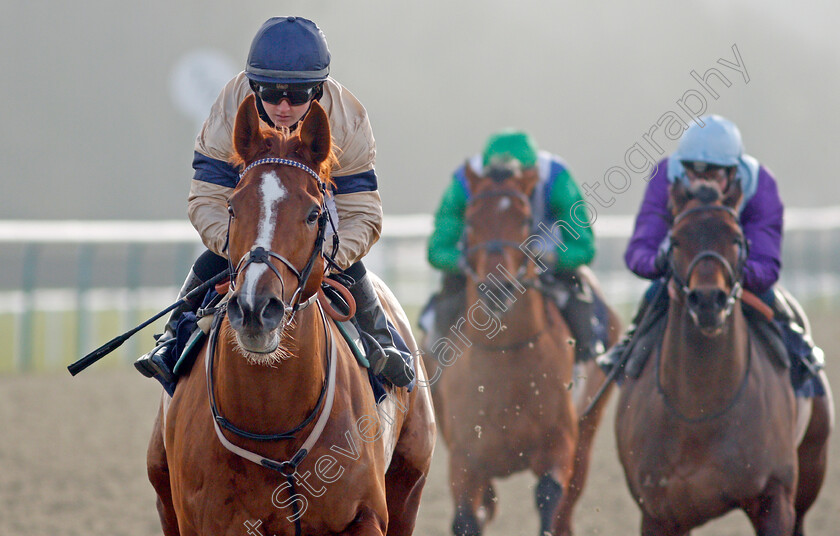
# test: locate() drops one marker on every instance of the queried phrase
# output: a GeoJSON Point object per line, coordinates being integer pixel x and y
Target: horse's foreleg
{"type": "Point", "coordinates": [158, 472]}
{"type": "Point", "coordinates": [548, 494]}
{"type": "Point", "coordinates": [470, 492]}
{"type": "Point", "coordinates": [589, 377]}
{"type": "Point", "coordinates": [655, 527]}
{"type": "Point", "coordinates": [772, 514]}
{"type": "Point", "coordinates": [554, 467]}
{"type": "Point", "coordinates": [813, 455]}
{"type": "Point", "coordinates": [403, 488]}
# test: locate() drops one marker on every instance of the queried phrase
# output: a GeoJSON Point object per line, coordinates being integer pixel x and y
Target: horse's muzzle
{"type": "Point", "coordinates": [709, 308]}
{"type": "Point", "coordinates": [258, 323]}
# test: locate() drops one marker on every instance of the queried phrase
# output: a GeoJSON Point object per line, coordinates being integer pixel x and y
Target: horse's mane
{"type": "Point", "coordinates": [282, 143]}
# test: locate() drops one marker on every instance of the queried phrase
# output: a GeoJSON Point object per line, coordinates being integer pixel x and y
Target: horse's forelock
{"type": "Point", "coordinates": [281, 143]}
{"type": "Point", "coordinates": [705, 193]}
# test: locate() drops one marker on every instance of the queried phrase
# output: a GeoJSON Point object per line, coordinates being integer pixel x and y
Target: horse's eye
{"type": "Point", "coordinates": [230, 212]}
{"type": "Point", "coordinates": [313, 216]}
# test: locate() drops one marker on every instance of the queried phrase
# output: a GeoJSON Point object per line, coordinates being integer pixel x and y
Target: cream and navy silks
{"type": "Point", "coordinates": [357, 201]}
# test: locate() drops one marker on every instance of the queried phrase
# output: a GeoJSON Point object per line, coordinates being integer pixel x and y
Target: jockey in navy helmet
{"type": "Point", "coordinates": [287, 68]}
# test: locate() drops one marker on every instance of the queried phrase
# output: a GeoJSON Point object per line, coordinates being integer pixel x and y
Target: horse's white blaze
{"type": "Point", "coordinates": [504, 203]}
{"type": "Point", "coordinates": [273, 192]}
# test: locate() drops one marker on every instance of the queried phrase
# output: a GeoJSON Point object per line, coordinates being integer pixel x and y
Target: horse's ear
{"type": "Point", "coordinates": [529, 180]}
{"type": "Point", "coordinates": [248, 141]}
{"type": "Point", "coordinates": [315, 133]}
{"type": "Point", "coordinates": [733, 195]}
{"type": "Point", "coordinates": [473, 179]}
{"type": "Point", "coordinates": [678, 196]}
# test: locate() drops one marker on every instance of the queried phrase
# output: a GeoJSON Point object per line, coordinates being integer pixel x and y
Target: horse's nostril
{"type": "Point", "coordinates": [707, 299]}
{"type": "Point", "coordinates": [694, 299]}
{"type": "Point", "coordinates": [272, 313]}
{"type": "Point", "coordinates": [721, 298]}
{"type": "Point", "coordinates": [234, 311]}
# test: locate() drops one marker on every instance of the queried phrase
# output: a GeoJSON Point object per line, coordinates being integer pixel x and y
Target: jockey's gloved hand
{"type": "Point", "coordinates": [463, 265]}
{"type": "Point", "coordinates": [662, 262]}
{"type": "Point", "coordinates": [549, 260]}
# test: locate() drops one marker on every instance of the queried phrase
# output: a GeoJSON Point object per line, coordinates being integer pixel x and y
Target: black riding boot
{"type": "Point", "coordinates": [609, 360]}
{"type": "Point", "coordinates": [450, 303]}
{"type": "Point", "coordinates": [799, 344]}
{"type": "Point", "coordinates": [656, 298]}
{"type": "Point", "coordinates": [157, 363]}
{"type": "Point", "coordinates": [578, 313]}
{"type": "Point", "coordinates": [386, 359]}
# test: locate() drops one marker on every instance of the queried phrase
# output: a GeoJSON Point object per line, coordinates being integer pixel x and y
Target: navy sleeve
{"type": "Point", "coordinates": [214, 171]}
{"type": "Point", "coordinates": [357, 182]}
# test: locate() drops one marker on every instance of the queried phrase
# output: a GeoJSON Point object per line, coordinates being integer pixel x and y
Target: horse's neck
{"type": "Point", "coordinates": [700, 370]}
{"type": "Point", "coordinates": [272, 398]}
{"type": "Point", "coordinates": [523, 319]}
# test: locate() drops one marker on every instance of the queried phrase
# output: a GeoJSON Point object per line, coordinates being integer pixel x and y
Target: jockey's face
{"type": "Point", "coordinates": [718, 175]}
{"type": "Point", "coordinates": [285, 114]}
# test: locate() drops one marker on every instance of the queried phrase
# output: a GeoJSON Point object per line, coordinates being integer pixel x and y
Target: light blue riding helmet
{"type": "Point", "coordinates": [718, 142]}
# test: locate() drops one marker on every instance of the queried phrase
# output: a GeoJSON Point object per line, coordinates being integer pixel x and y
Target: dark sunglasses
{"type": "Point", "coordinates": [702, 167]}
{"type": "Point", "coordinates": [274, 93]}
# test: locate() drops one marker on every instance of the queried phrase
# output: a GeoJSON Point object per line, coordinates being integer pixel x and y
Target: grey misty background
{"type": "Point", "coordinates": [89, 130]}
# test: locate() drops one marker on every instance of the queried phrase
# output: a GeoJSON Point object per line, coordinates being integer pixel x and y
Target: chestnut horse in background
{"type": "Point", "coordinates": [298, 444]}
{"type": "Point", "coordinates": [509, 393]}
{"type": "Point", "coordinates": [711, 423]}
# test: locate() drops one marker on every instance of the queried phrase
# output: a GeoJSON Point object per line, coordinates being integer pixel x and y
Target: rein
{"type": "Point", "coordinates": [734, 276]}
{"type": "Point", "coordinates": [325, 400]}
{"type": "Point", "coordinates": [324, 405]}
{"type": "Point", "coordinates": [496, 246]}
{"type": "Point", "coordinates": [694, 420]}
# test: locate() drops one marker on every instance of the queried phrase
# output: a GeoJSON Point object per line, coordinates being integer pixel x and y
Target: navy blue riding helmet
{"type": "Point", "coordinates": [288, 50]}
{"type": "Point", "coordinates": [289, 59]}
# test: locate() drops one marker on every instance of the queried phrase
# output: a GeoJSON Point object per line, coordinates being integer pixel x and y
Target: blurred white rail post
{"type": "Point", "coordinates": [89, 236]}
{"type": "Point", "coordinates": [811, 268]}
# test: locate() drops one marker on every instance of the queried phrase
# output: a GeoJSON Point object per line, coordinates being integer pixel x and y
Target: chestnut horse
{"type": "Point", "coordinates": [509, 393]}
{"type": "Point", "coordinates": [278, 432]}
{"type": "Point", "coordinates": [711, 423]}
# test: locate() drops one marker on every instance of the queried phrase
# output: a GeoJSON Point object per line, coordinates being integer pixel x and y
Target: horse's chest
{"type": "Point", "coordinates": [325, 494]}
{"type": "Point", "coordinates": [328, 489]}
{"type": "Point", "coordinates": [707, 471]}
{"type": "Point", "coordinates": [511, 411]}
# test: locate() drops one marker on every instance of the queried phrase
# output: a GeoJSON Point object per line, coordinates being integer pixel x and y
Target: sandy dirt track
{"type": "Point", "coordinates": [72, 462]}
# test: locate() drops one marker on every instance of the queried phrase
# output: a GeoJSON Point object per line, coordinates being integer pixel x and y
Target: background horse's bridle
{"type": "Point", "coordinates": [734, 274]}
{"type": "Point", "coordinates": [495, 246]}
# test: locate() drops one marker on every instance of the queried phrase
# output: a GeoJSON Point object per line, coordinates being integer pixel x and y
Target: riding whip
{"type": "Point", "coordinates": [628, 350]}
{"type": "Point", "coordinates": [116, 342]}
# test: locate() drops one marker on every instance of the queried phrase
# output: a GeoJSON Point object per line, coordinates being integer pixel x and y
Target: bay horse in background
{"type": "Point", "coordinates": [297, 445]}
{"type": "Point", "coordinates": [710, 425]}
{"type": "Point", "coordinates": [508, 397]}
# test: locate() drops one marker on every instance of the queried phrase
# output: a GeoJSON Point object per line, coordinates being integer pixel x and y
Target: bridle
{"type": "Point", "coordinates": [260, 255]}
{"type": "Point", "coordinates": [326, 397]}
{"type": "Point", "coordinates": [734, 275]}
{"type": "Point", "coordinates": [496, 246]}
